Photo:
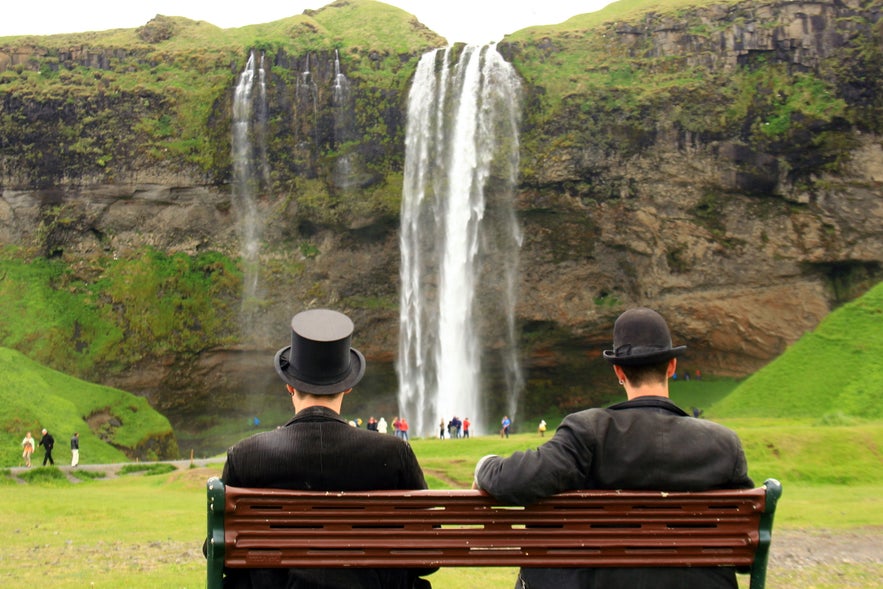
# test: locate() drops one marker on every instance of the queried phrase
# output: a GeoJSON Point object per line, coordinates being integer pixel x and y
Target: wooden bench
{"type": "Point", "coordinates": [268, 528]}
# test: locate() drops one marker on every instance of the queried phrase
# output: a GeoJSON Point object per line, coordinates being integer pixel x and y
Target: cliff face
{"type": "Point", "coordinates": [746, 228]}
{"type": "Point", "coordinates": [723, 165]}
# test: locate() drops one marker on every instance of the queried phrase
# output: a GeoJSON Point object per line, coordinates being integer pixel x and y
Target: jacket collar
{"type": "Point", "coordinates": [315, 413]}
{"type": "Point", "coordinates": [663, 403]}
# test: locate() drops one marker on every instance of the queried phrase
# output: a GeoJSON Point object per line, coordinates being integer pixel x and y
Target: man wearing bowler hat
{"type": "Point", "coordinates": [644, 443]}
{"type": "Point", "coordinates": [318, 450]}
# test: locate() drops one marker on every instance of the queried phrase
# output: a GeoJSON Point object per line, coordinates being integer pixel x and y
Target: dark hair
{"type": "Point", "coordinates": [646, 373]}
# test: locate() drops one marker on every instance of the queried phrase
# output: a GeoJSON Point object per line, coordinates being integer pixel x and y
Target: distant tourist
{"type": "Point", "coordinates": [506, 424]}
{"type": "Point", "coordinates": [454, 427]}
{"type": "Point", "coordinates": [28, 445]}
{"type": "Point", "coordinates": [48, 442]}
{"type": "Point", "coordinates": [466, 424]}
{"type": "Point", "coordinates": [541, 429]}
{"type": "Point", "coordinates": [75, 450]}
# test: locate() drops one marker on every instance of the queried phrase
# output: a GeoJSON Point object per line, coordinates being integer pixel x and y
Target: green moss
{"type": "Point", "coordinates": [48, 475]}
{"type": "Point", "coordinates": [600, 80]}
{"type": "Point", "coordinates": [148, 469]}
{"type": "Point", "coordinates": [163, 87]}
{"type": "Point", "coordinates": [106, 313]}
{"type": "Point", "coordinates": [388, 303]}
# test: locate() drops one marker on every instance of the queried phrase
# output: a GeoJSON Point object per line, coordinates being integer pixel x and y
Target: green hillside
{"type": "Point", "coordinates": [833, 372]}
{"type": "Point", "coordinates": [114, 426]}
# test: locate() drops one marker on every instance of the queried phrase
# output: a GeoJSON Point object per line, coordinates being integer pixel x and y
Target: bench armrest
{"type": "Point", "coordinates": [765, 533]}
{"type": "Point", "coordinates": [214, 543]}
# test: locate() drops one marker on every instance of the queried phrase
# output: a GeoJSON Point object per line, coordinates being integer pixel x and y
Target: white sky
{"type": "Point", "coordinates": [475, 21]}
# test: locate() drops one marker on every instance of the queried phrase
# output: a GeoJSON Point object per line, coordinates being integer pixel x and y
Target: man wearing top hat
{"type": "Point", "coordinates": [644, 443]}
{"type": "Point", "coordinates": [318, 450]}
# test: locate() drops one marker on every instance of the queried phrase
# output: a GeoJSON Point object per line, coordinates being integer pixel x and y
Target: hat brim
{"type": "Point", "coordinates": [355, 374]}
{"type": "Point", "coordinates": [641, 359]}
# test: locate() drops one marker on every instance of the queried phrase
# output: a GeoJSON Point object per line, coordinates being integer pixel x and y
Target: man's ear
{"type": "Point", "coordinates": [672, 367]}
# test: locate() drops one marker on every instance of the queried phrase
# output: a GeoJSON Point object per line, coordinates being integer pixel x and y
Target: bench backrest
{"type": "Point", "coordinates": [267, 528]}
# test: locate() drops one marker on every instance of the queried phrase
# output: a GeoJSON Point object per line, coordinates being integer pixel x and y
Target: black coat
{"type": "Point", "coordinates": [318, 450]}
{"type": "Point", "coordinates": [644, 444]}
{"type": "Point", "coordinates": [47, 442]}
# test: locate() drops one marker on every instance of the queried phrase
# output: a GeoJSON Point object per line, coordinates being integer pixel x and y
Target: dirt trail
{"type": "Point", "coordinates": [803, 548]}
{"type": "Point", "coordinates": [112, 470]}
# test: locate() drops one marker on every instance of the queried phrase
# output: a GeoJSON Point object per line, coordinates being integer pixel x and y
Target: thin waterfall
{"type": "Point", "coordinates": [249, 169]}
{"type": "Point", "coordinates": [459, 239]}
{"type": "Point", "coordinates": [307, 95]}
{"type": "Point", "coordinates": [344, 126]}
{"type": "Point", "coordinates": [340, 89]}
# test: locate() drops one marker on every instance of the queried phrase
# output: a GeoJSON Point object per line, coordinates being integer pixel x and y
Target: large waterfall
{"type": "Point", "coordinates": [249, 170]}
{"type": "Point", "coordinates": [459, 240]}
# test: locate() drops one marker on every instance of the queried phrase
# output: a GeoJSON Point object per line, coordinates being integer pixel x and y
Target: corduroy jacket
{"type": "Point", "coordinates": [318, 451]}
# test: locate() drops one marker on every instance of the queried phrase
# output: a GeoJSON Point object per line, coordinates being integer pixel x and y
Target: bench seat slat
{"type": "Point", "coordinates": [430, 558]}
{"type": "Point", "coordinates": [422, 519]}
{"type": "Point", "coordinates": [453, 541]}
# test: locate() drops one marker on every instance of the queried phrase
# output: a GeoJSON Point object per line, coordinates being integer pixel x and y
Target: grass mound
{"type": "Point", "coordinates": [832, 374]}
{"type": "Point", "coordinates": [114, 426]}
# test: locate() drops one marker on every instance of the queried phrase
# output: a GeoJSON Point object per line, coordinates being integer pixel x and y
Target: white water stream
{"type": "Point", "coordinates": [459, 239]}
{"type": "Point", "coordinates": [249, 170]}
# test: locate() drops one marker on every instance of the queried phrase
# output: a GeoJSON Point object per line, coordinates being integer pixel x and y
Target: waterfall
{"type": "Point", "coordinates": [340, 91]}
{"type": "Point", "coordinates": [249, 170]}
{"type": "Point", "coordinates": [307, 97]}
{"type": "Point", "coordinates": [344, 126]}
{"type": "Point", "coordinates": [459, 239]}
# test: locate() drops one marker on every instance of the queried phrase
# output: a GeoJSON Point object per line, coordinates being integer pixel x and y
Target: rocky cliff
{"type": "Point", "coordinates": [722, 164]}
{"type": "Point", "coordinates": [731, 178]}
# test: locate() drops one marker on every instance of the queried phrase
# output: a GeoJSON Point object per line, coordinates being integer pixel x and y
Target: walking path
{"type": "Point", "coordinates": [112, 470]}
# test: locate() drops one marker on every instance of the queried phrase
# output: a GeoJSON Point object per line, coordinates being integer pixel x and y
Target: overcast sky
{"type": "Point", "coordinates": [474, 21]}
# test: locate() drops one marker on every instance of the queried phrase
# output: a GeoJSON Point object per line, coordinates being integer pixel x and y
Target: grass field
{"type": "Point", "coordinates": [145, 531]}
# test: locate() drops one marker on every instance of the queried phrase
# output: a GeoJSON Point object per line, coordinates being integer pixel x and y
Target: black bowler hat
{"type": "Point", "coordinates": [641, 336]}
{"type": "Point", "coordinates": [320, 360]}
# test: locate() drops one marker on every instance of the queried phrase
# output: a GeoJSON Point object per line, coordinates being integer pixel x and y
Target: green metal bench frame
{"type": "Point", "coordinates": [270, 528]}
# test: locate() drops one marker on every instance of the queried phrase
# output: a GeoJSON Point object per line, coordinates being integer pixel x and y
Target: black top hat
{"type": "Point", "coordinates": [320, 360]}
{"type": "Point", "coordinates": [641, 336]}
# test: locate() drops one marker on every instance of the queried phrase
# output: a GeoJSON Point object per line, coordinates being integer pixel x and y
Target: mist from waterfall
{"type": "Point", "coordinates": [459, 239]}
{"type": "Point", "coordinates": [250, 169]}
